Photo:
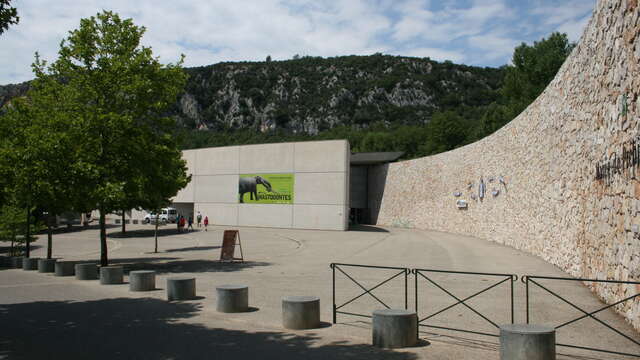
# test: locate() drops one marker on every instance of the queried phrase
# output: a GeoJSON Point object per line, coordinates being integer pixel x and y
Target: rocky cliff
{"type": "Point", "coordinates": [312, 94]}
{"type": "Point", "coordinates": [309, 95]}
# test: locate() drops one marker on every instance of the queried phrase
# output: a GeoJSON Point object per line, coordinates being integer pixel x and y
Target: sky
{"type": "Point", "coordinates": [472, 32]}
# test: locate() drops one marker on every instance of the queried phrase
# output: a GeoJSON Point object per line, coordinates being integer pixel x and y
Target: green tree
{"type": "Point", "coordinates": [120, 94]}
{"type": "Point", "coordinates": [445, 131]}
{"type": "Point", "coordinates": [495, 117]}
{"type": "Point", "coordinates": [534, 66]}
{"type": "Point", "coordinates": [39, 153]}
{"type": "Point", "coordinates": [17, 161]}
{"type": "Point", "coordinates": [170, 175]}
{"type": "Point", "coordinates": [8, 15]}
{"type": "Point", "coordinates": [12, 227]}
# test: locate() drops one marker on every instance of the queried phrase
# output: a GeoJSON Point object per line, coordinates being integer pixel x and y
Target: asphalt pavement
{"type": "Point", "coordinates": [48, 317]}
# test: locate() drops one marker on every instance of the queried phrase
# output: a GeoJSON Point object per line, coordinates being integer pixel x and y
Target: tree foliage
{"type": "Point", "coordinates": [533, 68]}
{"type": "Point", "coordinates": [38, 154]}
{"type": "Point", "coordinates": [8, 15]}
{"type": "Point", "coordinates": [118, 94]}
{"type": "Point", "coordinates": [12, 227]}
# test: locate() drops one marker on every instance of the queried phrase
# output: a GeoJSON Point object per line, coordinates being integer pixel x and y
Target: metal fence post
{"type": "Point", "coordinates": [406, 292]}
{"type": "Point", "coordinates": [415, 277]}
{"type": "Point", "coordinates": [333, 268]}
{"type": "Point", "coordinates": [527, 296]}
{"type": "Point", "coordinates": [512, 280]}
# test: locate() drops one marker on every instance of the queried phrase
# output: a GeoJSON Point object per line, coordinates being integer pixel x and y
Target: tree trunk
{"type": "Point", "coordinates": [156, 234]}
{"type": "Point", "coordinates": [123, 218]}
{"type": "Point", "coordinates": [104, 261]}
{"type": "Point", "coordinates": [27, 235]}
{"type": "Point", "coordinates": [49, 237]}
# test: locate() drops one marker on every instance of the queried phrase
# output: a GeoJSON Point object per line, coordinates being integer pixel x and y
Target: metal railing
{"type": "Point", "coordinates": [366, 291]}
{"type": "Point", "coordinates": [532, 279]}
{"type": "Point", "coordinates": [462, 301]}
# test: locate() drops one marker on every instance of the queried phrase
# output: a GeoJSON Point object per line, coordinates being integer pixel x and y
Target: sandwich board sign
{"type": "Point", "coordinates": [230, 239]}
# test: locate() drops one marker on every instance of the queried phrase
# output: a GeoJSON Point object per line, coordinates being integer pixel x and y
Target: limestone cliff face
{"type": "Point", "coordinates": [310, 94]}
{"type": "Point", "coordinates": [571, 191]}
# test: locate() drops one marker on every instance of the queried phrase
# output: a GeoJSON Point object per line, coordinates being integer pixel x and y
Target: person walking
{"type": "Point", "coordinates": [182, 223]}
{"type": "Point", "coordinates": [206, 222]}
{"type": "Point", "coordinates": [178, 222]}
{"type": "Point", "coordinates": [199, 219]}
{"type": "Point", "coordinates": [190, 222]}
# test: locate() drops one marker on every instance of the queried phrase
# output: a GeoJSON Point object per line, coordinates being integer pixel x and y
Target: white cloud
{"type": "Point", "coordinates": [492, 46]}
{"type": "Point", "coordinates": [210, 31]}
{"type": "Point", "coordinates": [449, 23]}
{"type": "Point", "coordinates": [574, 28]}
{"type": "Point", "coordinates": [560, 13]}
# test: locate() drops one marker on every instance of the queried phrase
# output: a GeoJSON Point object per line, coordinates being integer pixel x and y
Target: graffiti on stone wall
{"type": "Point", "coordinates": [616, 165]}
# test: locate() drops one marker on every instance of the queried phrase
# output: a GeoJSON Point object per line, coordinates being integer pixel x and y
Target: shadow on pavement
{"type": "Point", "coordinates": [367, 228]}
{"type": "Point", "coordinates": [62, 229]}
{"type": "Point", "coordinates": [166, 265]}
{"type": "Point", "coordinates": [193, 248]}
{"type": "Point", "coordinates": [194, 266]}
{"type": "Point", "coordinates": [146, 233]}
{"type": "Point", "coordinates": [126, 261]}
{"type": "Point", "coordinates": [148, 328]}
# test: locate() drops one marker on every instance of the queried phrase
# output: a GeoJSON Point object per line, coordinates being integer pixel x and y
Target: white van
{"type": "Point", "coordinates": [167, 215]}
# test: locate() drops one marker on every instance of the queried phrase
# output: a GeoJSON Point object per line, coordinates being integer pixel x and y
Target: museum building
{"type": "Point", "coordinates": [303, 185]}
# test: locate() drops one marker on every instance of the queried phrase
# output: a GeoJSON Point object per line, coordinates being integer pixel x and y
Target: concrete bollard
{"type": "Point", "coordinates": [300, 312]}
{"type": "Point", "coordinates": [86, 271]}
{"type": "Point", "coordinates": [527, 342]}
{"type": "Point", "coordinates": [142, 280]}
{"type": "Point", "coordinates": [16, 262]}
{"type": "Point", "coordinates": [65, 268]}
{"type": "Point", "coordinates": [29, 264]}
{"type": "Point", "coordinates": [181, 288]}
{"type": "Point", "coordinates": [395, 328]}
{"type": "Point", "coordinates": [111, 275]}
{"type": "Point", "coordinates": [46, 265]}
{"type": "Point", "coordinates": [232, 298]}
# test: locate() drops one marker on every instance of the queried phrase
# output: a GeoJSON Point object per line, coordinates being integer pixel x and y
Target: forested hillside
{"type": "Point", "coordinates": [311, 94]}
{"type": "Point", "coordinates": [377, 102]}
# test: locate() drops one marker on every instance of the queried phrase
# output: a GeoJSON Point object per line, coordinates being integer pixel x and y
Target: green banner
{"type": "Point", "coordinates": [266, 188]}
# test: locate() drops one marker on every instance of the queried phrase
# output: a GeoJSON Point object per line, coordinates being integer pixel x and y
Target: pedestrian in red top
{"type": "Point", "coordinates": [206, 222]}
{"type": "Point", "coordinates": [182, 222]}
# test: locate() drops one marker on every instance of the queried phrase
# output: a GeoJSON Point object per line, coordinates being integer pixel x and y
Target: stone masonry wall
{"type": "Point", "coordinates": [552, 204]}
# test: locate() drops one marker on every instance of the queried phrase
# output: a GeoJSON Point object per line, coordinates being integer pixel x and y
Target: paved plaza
{"type": "Point", "coordinates": [47, 317]}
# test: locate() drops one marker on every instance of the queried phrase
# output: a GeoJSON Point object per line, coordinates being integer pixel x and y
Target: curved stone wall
{"type": "Point", "coordinates": [552, 204]}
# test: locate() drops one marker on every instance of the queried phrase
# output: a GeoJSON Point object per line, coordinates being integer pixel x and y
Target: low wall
{"type": "Point", "coordinates": [554, 203]}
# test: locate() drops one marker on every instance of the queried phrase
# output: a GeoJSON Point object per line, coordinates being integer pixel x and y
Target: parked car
{"type": "Point", "coordinates": [166, 215]}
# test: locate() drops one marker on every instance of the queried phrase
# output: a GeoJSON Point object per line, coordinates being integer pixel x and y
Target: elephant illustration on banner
{"type": "Point", "coordinates": [250, 185]}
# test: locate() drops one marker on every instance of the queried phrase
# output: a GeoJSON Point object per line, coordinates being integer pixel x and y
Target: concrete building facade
{"type": "Point", "coordinates": [320, 171]}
